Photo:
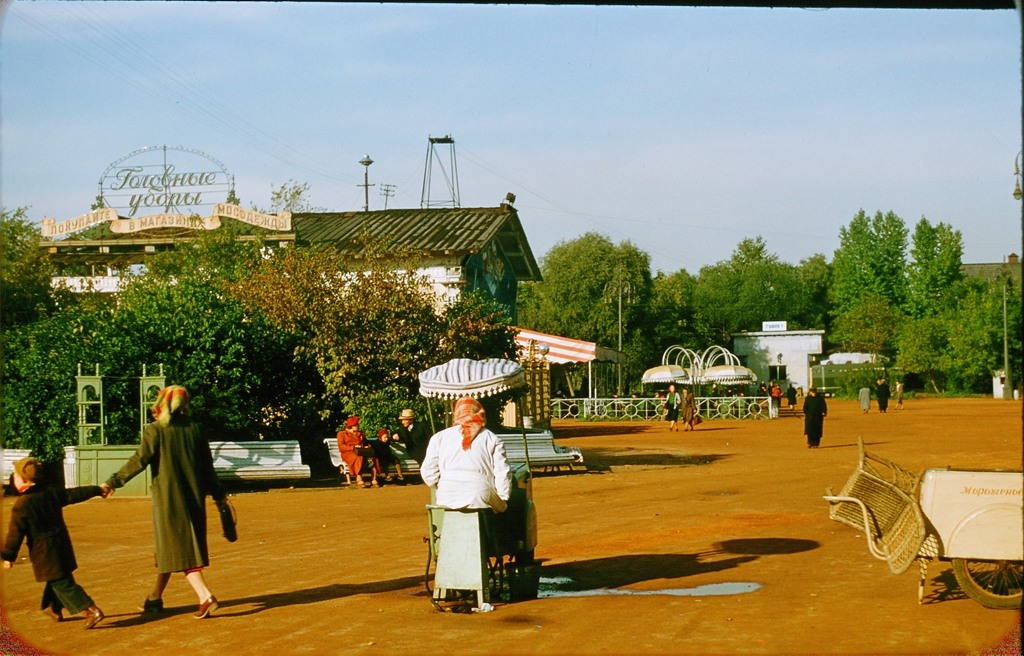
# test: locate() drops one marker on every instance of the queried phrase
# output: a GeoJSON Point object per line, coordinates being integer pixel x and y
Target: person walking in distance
{"type": "Point", "coordinates": [673, 401]}
{"type": "Point", "coordinates": [815, 410]}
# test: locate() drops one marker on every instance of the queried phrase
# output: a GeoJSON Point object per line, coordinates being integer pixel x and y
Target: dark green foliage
{"type": "Point", "coordinates": [25, 271]}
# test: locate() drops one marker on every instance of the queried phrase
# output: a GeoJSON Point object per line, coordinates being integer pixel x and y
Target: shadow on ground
{"type": "Point", "coordinates": [630, 569]}
{"type": "Point", "coordinates": [256, 604]}
{"type": "Point", "coordinates": [583, 429]}
{"type": "Point", "coordinates": [602, 460]}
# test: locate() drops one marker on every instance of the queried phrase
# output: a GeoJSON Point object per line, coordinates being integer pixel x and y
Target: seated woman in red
{"type": "Point", "coordinates": [351, 445]}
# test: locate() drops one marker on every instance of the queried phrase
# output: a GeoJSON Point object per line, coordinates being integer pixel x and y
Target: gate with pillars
{"type": "Point", "coordinates": [92, 460]}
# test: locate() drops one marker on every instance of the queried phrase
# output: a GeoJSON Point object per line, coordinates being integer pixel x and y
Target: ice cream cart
{"type": "Point", "coordinates": [970, 517]}
{"type": "Point", "coordinates": [478, 556]}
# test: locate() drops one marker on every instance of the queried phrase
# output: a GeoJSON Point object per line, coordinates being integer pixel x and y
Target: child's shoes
{"type": "Point", "coordinates": [54, 615]}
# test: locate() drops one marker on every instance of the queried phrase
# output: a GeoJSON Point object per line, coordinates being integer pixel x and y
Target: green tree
{"type": "Point", "coordinates": [584, 282]}
{"type": "Point", "coordinates": [975, 348]}
{"type": "Point", "coordinates": [291, 196]}
{"type": "Point", "coordinates": [369, 326]}
{"type": "Point", "coordinates": [672, 313]}
{"type": "Point", "coordinates": [25, 270]}
{"type": "Point", "coordinates": [923, 345]}
{"type": "Point", "coordinates": [750, 287]}
{"type": "Point", "coordinates": [39, 365]}
{"type": "Point", "coordinates": [935, 268]}
{"type": "Point", "coordinates": [578, 296]}
{"type": "Point", "coordinates": [181, 313]}
{"type": "Point", "coordinates": [814, 277]}
{"type": "Point", "coordinates": [871, 259]}
{"type": "Point", "coordinates": [871, 326]}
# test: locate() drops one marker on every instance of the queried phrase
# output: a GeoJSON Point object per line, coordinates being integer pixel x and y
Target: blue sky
{"type": "Point", "coordinates": [683, 130]}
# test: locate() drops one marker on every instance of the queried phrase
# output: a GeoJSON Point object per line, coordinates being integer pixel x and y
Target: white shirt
{"type": "Point", "coordinates": [475, 478]}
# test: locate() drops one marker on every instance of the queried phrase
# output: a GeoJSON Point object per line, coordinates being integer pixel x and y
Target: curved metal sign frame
{"type": "Point", "coordinates": [159, 186]}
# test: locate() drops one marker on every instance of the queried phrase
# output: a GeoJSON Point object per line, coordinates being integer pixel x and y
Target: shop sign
{"type": "Point", "coordinates": [280, 222]}
{"type": "Point", "coordinates": [164, 180]}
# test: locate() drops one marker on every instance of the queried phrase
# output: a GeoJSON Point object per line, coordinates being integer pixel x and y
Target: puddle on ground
{"type": "Point", "coordinates": [552, 587]}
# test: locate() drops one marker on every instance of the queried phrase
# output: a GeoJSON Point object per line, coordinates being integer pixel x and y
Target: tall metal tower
{"type": "Point", "coordinates": [450, 174]}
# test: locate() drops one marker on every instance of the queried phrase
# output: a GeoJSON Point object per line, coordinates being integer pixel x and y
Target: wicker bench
{"type": "Point", "coordinates": [408, 465]}
{"type": "Point", "coordinates": [880, 499]}
{"type": "Point", "coordinates": [264, 460]}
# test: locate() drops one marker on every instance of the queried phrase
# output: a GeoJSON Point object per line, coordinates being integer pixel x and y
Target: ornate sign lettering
{"type": "Point", "coordinates": [281, 222]}
{"type": "Point", "coordinates": [125, 226]}
{"type": "Point", "coordinates": [166, 180]}
{"type": "Point", "coordinates": [50, 228]}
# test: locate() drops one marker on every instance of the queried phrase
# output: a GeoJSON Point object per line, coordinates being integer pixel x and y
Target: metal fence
{"type": "Point", "coordinates": [652, 409]}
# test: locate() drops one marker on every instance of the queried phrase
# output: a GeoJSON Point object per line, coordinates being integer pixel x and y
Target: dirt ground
{"type": "Point", "coordinates": [323, 569]}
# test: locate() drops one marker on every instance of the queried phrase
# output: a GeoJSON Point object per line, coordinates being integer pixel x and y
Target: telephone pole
{"type": "Point", "coordinates": [387, 191]}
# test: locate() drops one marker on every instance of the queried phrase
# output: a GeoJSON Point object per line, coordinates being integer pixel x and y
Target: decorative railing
{"type": "Point", "coordinates": [652, 409]}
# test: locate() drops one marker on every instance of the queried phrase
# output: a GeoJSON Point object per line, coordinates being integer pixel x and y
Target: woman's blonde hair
{"type": "Point", "coordinates": [170, 401]}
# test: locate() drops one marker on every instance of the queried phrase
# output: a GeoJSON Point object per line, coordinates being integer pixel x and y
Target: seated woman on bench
{"type": "Point", "coordinates": [355, 450]}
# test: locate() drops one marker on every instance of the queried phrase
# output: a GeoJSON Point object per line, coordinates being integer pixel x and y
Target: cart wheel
{"type": "Point", "coordinates": [993, 584]}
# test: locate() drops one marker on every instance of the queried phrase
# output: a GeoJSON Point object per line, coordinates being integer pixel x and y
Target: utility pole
{"type": "Point", "coordinates": [387, 191]}
{"type": "Point", "coordinates": [618, 287]}
{"type": "Point", "coordinates": [1007, 379]}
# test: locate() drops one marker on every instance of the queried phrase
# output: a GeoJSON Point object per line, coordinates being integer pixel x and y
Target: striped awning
{"type": "Point", "coordinates": [476, 378]}
{"type": "Point", "coordinates": [562, 350]}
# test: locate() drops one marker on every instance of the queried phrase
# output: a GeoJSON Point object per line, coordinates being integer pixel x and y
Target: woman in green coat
{"type": "Point", "coordinates": [182, 472]}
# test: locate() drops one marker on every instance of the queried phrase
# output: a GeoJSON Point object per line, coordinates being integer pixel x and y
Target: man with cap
{"type": "Point", "coordinates": [415, 436]}
{"type": "Point", "coordinates": [37, 517]}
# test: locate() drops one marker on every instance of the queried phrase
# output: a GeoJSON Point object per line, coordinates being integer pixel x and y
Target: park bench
{"type": "Point", "coordinates": [11, 456]}
{"type": "Point", "coordinates": [408, 465]}
{"type": "Point", "coordinates": [263, 460]}
{"type": "Point", "coordinates": [543, 452]}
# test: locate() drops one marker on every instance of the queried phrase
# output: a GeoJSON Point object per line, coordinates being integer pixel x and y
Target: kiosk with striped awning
{"type": "Point", "coordinates": [565, 350]}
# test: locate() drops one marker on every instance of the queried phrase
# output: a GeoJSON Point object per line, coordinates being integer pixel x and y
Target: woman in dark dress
{"type": "Point", "coordinates": [815, 410]}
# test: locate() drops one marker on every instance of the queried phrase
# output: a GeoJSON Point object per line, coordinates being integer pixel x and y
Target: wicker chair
{"type": "Point", "coordinates": [880, 499]}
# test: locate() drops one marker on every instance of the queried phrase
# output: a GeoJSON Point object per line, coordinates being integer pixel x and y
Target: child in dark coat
{"type": "Point", "coordinates": [38, 517]}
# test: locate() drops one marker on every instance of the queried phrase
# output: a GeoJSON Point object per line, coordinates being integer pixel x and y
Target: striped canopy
{"type": "Point", "coordinates": [476, 378]}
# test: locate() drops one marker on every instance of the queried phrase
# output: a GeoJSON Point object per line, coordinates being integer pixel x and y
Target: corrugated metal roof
{"type": "Point", "coordinates": [996, 271]}
{"type": "Point", "coordinates": [431, 231]}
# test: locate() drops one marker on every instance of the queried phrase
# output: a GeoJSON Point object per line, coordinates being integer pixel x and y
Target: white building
{"type": "Point", "coordinates": [779, 354]}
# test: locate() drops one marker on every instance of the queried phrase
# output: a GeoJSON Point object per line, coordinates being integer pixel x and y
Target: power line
{"type": "Point", "coordinates": [116, 53]}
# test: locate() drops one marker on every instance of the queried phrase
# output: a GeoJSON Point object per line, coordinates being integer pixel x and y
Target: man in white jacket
{"type": "Point", "coordinates": [467, 462]}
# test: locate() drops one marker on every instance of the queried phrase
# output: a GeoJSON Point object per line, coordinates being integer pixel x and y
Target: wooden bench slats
{"type": "Point", "coordinates": [542, 450]}
{"type": "Point", "coordinates": [408, 465]}
{"type": "Point", "coordinates": [11, 456]}
{"type": "Point", "coordinates": [264, 460]}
